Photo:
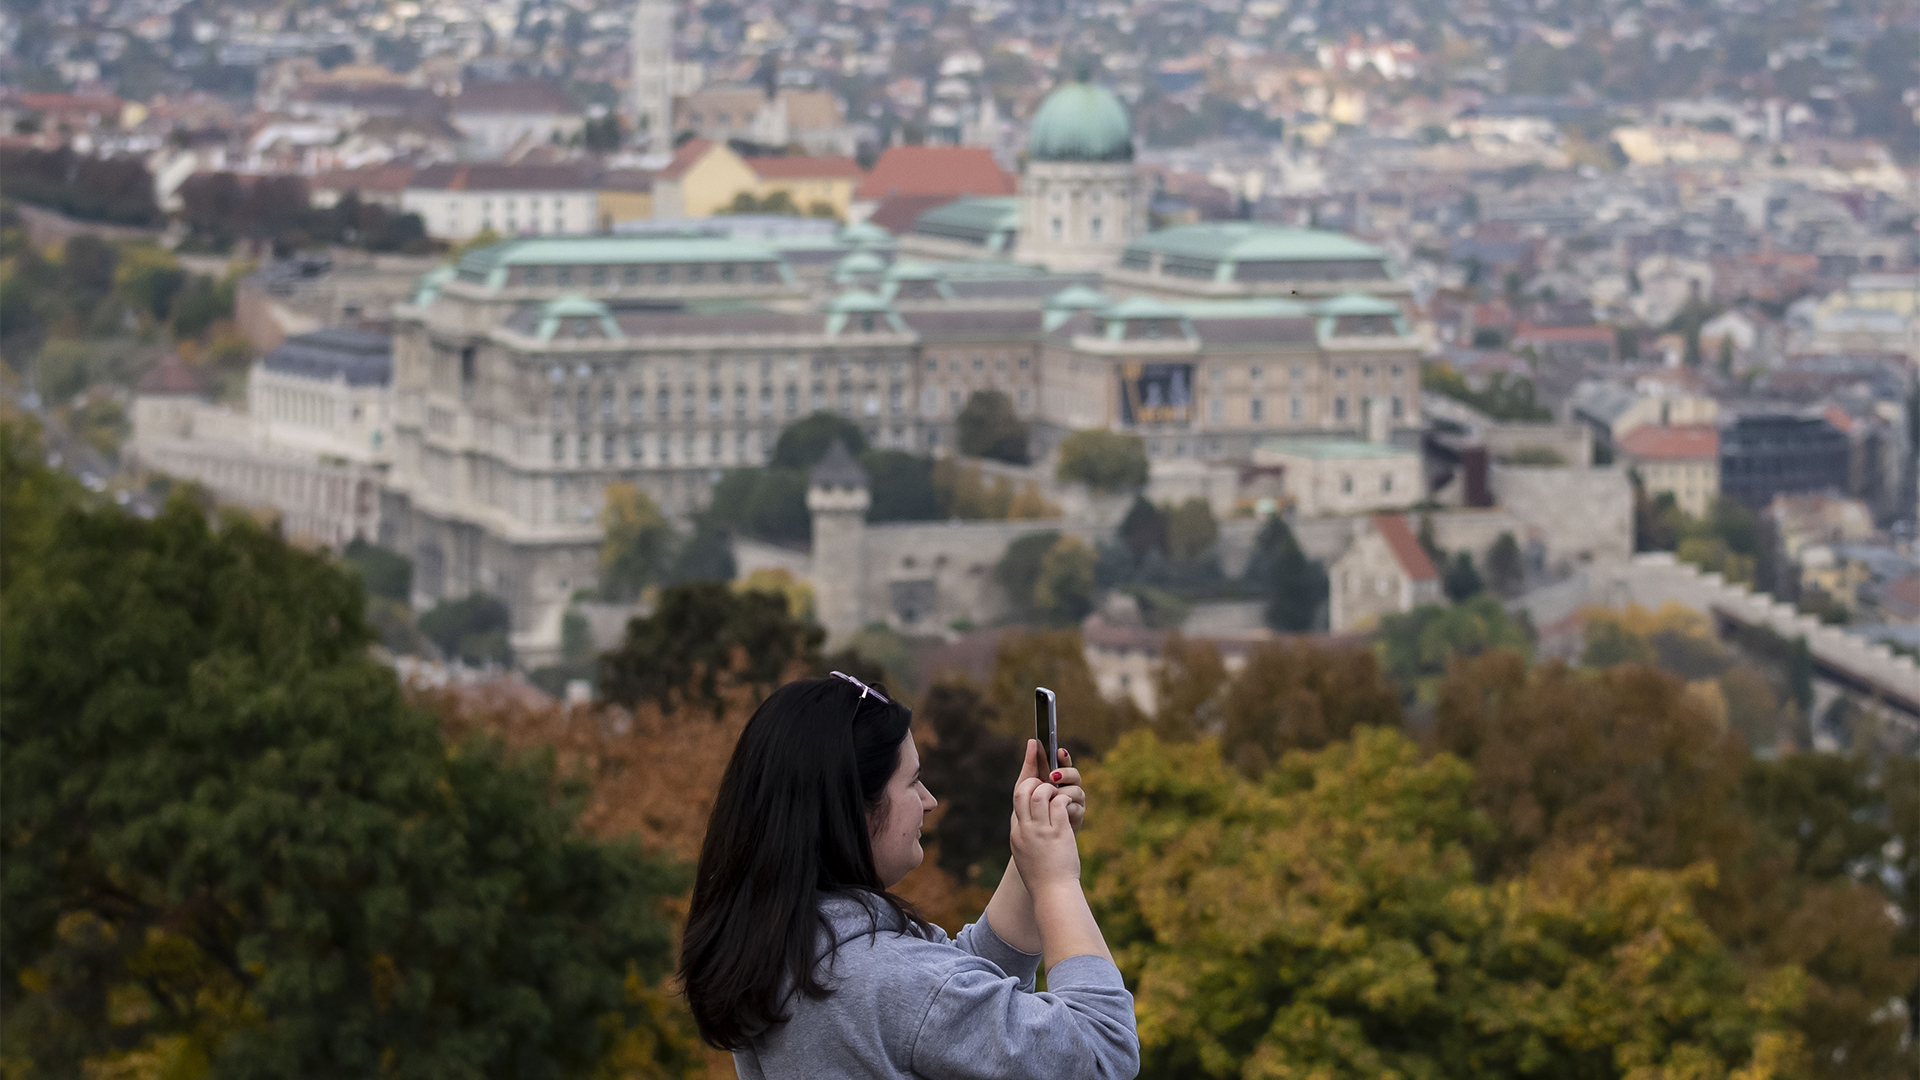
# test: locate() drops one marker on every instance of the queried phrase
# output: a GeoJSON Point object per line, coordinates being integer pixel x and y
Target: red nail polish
{"type": "Point", "coordinates": [1056, 776]}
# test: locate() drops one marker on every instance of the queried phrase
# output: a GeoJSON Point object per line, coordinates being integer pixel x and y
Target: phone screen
{"type": "Point", "coordinates": [1046, 728]}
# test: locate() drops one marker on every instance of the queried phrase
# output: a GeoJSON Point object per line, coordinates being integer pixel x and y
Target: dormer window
{"type": "Point", "coordinates": [532, 276]}
{"type": "Point", "coordinates": [726, 272]}
{"type": "Point", "coordinates": [866, 324]}
{"type": "Point", "coordinates": [756, 273]}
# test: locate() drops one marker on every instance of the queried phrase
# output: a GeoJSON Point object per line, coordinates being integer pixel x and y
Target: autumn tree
{"type": "Point", "coordinates": [1055, 659]}
{"type": "Point", "coordinates": [1300, 695]}
{"type": "Point", "coordinates": [1417, 646]}
{"type": "Point", "coordinates": [1327, 921]}
{"type": "Point", "coordinates": [988, 427]}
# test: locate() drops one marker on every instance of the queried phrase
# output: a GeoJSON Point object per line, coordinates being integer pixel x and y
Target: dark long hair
{"type": "Point", "coordinates": [789, 826]}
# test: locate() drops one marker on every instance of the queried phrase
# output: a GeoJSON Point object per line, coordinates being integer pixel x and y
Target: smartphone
{"type": "Point", "coordinates": [1046, 728]}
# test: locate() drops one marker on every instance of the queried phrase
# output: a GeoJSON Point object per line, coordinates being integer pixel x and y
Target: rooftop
{"type": "Point", "coordinates": [359, 357]}
{"type": "Point", "coordinates": [1685, 442]}
{"type": "Point", "coordinates": [536, 96]}
{"type": "Point", "coordinates": [1081, 121]}
{"type": "Point", "coordinates": [1405, 546]}
{"type": "Point", "coordinates": [1247, 241]}
{"type": "Point", "coordinates": [617, 249]}
{"type": "Point", "coordinates": [498, 176]}
{"type": "Point", "coordinates": [936, 170]}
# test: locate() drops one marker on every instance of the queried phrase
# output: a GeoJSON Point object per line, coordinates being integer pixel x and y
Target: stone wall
{"type": "Point", "coordinates": [1581, 515]}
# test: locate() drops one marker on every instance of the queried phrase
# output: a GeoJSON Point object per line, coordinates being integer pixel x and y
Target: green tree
{"type": "Point", "coordinates": [385, 572]}
{"type": "Point", "coordinates": [233, 850]}
{"type": "Point", "coordinates": [1018, 570]}
{"type": "Point", "coordinates": [1294, 585]}
{"type": "Point", "coordinates": [1063, 590]}
{"type": "Point", "coordinates": [1416, 647]}
{"type": "Point", "coordinates": [1106, 461]}
{"type": "Point", "coordinates": [703, 640]}
{"type": "Point", "coordinates": [1327, 921]}
{"type": "Point", "coordinates": [1191, 530]}
{"type": "Point", "coordinates": [988, 427]}
{"type": "Point", "coordinates": [1144, 529]}
{"type": "Point", "coordinates": [1506, 568]}
{"type": "Point", "coordinates": [768, 503]}
{"type": "Point", "coordinates": [638, 543]}
{"type": "Point", "coordinates": [1301, 695]}
{"type": "Point", "coordinates": [473, 629]}
{"type": "Point", "coordinates": [1462, 581]}
{"type": "Point", "coordinates": [805, 441]}
{"type": "Point", "coordinates": [901, 486]}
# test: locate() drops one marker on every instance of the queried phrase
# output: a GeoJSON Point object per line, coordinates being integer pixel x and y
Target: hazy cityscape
{"type": "Point", "coordinates": [1459, 465]}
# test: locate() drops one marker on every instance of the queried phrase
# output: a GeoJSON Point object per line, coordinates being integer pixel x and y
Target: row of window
{"type": "Point", "coordinates": [1297, 372]}
{"type": "Point", "coordinates": [634, 274]}
{"type": "Point", "coordinates": [661, 448]}
{"type": "Point", "coordinates": [1296, 409]}
{"type": "Point", "coordinates": [581, 402]}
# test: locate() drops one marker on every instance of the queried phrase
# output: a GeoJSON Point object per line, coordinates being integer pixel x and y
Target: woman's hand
{"type": "Point", "coordinates": [1064, 777]}
{"type": "Point", "coordinates": [1044, 849]}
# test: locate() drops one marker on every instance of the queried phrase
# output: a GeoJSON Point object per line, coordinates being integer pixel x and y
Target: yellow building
{"type": "Point", "coordinates": [705, 177]}
{"type": "Point", "coordinates": [625, 195]}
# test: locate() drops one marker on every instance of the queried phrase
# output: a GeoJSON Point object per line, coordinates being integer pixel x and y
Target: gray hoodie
{"type": "Point", "coordinates": [907, 1005]}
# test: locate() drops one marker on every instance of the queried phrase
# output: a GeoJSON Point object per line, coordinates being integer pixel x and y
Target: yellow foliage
{"type": "Point", "coordinates": [774, 579]}
{"type": "Point", "coordinates": [1671, 617]}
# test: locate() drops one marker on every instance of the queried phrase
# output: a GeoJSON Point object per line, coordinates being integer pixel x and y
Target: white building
{"type": "Point", "coordinates": [653, 73]}
{"type": "Point", "coordinates": [312, 445]}
{"type": "Point", "coordinates": [1080, 199]}
{"type": "Point", "coordinates": [1325, 476]}
{"type": "Point", "coordinates": [497, 117]}
{"type": "Point", "coordinates": [458, 201]}
{"type": "Point", "coordinates": [1383, 572]}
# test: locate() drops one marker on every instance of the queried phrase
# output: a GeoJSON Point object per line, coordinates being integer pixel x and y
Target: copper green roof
{"type": "Point", "coordinates": [488, 264]}
{"type": "Point", "coordinates": [1080, 121]}
{"type": "Point", "coordinates": [1248, 241]}
{"type": "Point", "coordinates": [987, 220]}
{"type": "Point", "coordinates": [1357, 304]}
{"type": "Point", "coordinates": [1078, 296]}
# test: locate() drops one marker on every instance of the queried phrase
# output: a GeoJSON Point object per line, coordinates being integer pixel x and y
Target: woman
{"type": "Point", "coordinates": [799, 960]}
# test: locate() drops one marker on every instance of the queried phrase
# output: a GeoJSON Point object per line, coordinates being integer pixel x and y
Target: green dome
{"type": "Point", "coordinates": [1081, 121]}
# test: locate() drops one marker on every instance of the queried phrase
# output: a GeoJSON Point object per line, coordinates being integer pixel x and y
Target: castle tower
{"type": "Point", "coordinates": [1080, 200]}
{"type": "Point", "coordinates": [838, 499]}
{"type": "Point", "coordinates": [652, 84]}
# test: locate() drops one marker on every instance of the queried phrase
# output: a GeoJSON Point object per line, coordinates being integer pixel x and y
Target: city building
{"type": "Point", "coordinates": [1384, 571]}
{"type": "Point", "coordinates": [1681, 461]}
{"type": "Point", "coordinates": [312, 446]}
{"type": "Point", "coordinates": [461, 200]}
{"type": "Point", "coordinates": [651, 85]}
{"type": "Point", "coordinates": [1344, 476]}
{"type": "Point", "coordinates": [1080, 200]}
{"type": "Point", "coordinates": [498, 117]}
{"type": "Point", "coordinates": [1769, 453]}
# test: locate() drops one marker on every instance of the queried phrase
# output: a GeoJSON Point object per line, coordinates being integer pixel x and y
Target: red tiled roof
{"type": "Point", "coordinates": [515, 96]}
{"type": "Point", "coordinates": [1405, 547]}
{"type": "Point", "coordinates": [897, 213]}
{"type": "Point", "coordinates": [805, 168]}
{"type": "Point", "coordinates": [370, 178]}
{"type": "Point", "coordinates": [936, 170]}
{"type": "Point", "coordinates": [495, 176]}
{"type": "Point", "coordinates": [1902, 597]}
{"type": "Point", "coordinates": [1682, 442]}
{"type": "Point", "coordinates": [171, 376]}
{"type": "Point", "coordinates": [683, 159]}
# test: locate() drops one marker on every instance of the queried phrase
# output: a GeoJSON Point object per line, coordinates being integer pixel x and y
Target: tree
{"type": "Point", "coordinates": [638, 543]}
{"type": "Point", "coordinates": [1299, 695]}
{"type": "Point", "coordinates": [384, 571]}
{"type": "Point", "coordinates": [1191, 530]}
{"type": "Point", "coordinates": [703, 640]}
{"type": "Point", "coordinates": [1018, 570]}
{"type": "Point", "coordinates": [805, 441]}
{"type": "Point", "coordinates": [1109, 462]}
{"type": "Point", "coordinates": [1144, 529]}
{"type": "Point", "coordinates": [970, 768]}
{"type": "Point", "coordinates": [1063, 590]}
{"type": "Point", "coordinates": [1418, 646]}
{"type": "Point", "coordinates": [1057, 660]}
{"type": "Point", "coordinates": [1326, 921]}
{"type": "Point", "coordinates": [234, 850]}
{"type": "Point", "coordinates": [1294, 586]}
{"type": "Point", "coordinates": [1462, 581]}
{"type": "Point", "coordinates": [901, 486]}
{"type": "Point", "coordinates": [473, 629]}
{"type": "Point", "coordinates": [768, 503]}
{"type": "Point", "coordinates": [988, 427]}
{"type": "Point", "coordinates": [1506, 568]}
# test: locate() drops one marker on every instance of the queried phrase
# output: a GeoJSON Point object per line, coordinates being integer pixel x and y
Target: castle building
{"type": "Point", "coordinates": [1080, 201]}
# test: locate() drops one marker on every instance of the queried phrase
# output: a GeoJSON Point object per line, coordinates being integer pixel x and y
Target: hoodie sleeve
{"type": "Point", "coordinates": [979, 939]}
{"type": "Point", "coordinates": [977, 1025]}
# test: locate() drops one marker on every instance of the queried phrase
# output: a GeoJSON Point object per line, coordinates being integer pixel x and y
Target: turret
{"type": "Point", "coordinates": [838, 497]}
